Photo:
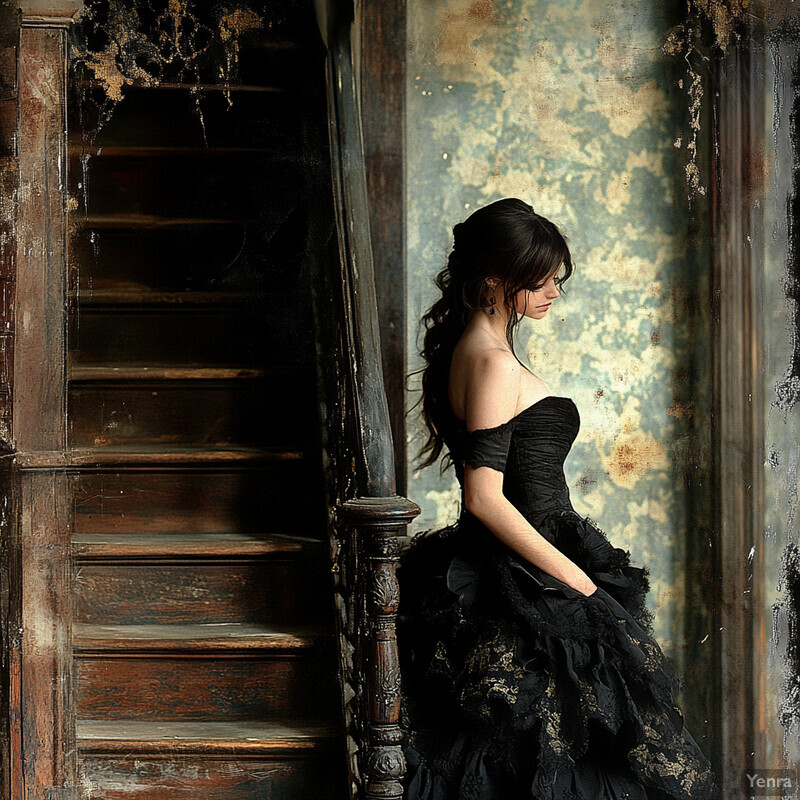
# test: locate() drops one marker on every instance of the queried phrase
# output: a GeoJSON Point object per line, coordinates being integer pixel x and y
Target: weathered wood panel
{"type": "Point", "coordinates": [9, 178]}
{"type": "Point", "coordinates": [204, 592]}
{"type": "Point", "coordinates": [46, 725]}
{"type": "Point", "coordinates": [40, 337]}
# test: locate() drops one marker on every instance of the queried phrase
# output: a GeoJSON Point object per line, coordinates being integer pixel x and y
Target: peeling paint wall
{"type": "Point", "coordinates": [577, 108]}
{"type": "Point", "coordinates": [782, 356]}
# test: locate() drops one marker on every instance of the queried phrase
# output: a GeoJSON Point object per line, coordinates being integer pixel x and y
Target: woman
{"type": "Point", "coordinates": [529, 665]}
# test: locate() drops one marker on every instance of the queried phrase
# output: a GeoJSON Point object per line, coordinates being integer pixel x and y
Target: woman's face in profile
{"type": "Point", "coordinates": [534, 303]}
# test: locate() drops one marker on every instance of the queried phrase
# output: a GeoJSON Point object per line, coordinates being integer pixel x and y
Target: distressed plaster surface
{"type": "Point", "coordinates": [782, 424]}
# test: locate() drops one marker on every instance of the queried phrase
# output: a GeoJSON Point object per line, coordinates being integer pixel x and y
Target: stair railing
{"type": "Point", "coordinates": [373, 518]}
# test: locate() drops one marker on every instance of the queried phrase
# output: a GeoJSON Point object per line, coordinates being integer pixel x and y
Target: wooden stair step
{"type": "Point", "coordinates": [219, 738]}
{"type": "Point", "coordinates": [274, 591]}
{"type": "Point", "coordinates": [138, 547]}
{"type": "Point", "coordinates": [225, 637]}
{"type": "Point", "coordinates": [96, 298]}
{"type": "Point", "coordinates": [187, 671]}
{"type": "Point", "coordinates": [162, 372]}
{"type": "Point", "coordinates": [210, 501]}
{"type": "Point", "coordinates": [180, 457]}
{"type": "Point", "coordinates": [152, 222]}
{"type": "Point", "coordinates": [79, 149]}
{"type": "Point", "coordinates": [190, 672]}
{"type": "Point", "coordinates": [222, 88]}
{"type": "Point", "coordinates": [208, 336]}
{"type": "Point", "coordinates": [214, 409]}
{"type": "Point", "coordinates": [277, 774]}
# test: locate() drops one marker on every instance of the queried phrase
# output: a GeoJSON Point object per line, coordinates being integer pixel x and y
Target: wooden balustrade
{"type": "Point", "coordinates": [373, 520]}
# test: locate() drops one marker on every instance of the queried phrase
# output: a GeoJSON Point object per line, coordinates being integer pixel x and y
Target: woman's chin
{"type": "Point", "coordinates": [537, 313]}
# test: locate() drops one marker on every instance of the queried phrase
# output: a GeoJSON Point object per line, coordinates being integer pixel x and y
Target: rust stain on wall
{"type": "Point", "coordinates": [633, 454]}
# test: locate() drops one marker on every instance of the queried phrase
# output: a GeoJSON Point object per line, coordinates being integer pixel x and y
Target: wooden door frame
{"type": "Point", "coordinates": [738, 396]}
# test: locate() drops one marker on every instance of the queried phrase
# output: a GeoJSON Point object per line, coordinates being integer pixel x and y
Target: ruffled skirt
{"type": "Point", "coordinates": [518, 687]}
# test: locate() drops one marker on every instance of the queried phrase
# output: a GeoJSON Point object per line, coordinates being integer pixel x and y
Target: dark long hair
{"type": "Point", "coordinates": [506, 239]}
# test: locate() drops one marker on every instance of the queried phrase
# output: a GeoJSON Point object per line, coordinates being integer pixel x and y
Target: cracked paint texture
{"type": "Point", "coordinates": [782, 445]}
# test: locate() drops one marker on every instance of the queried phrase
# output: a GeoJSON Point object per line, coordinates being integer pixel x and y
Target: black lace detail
{"type": "Point", "coordinates": [525, 668]}
{"type": "Point", "coordinates": [488, 447]}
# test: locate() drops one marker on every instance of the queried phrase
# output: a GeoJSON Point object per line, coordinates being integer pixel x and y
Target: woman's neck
{"type": "Point", "coordinates": [492, 325]}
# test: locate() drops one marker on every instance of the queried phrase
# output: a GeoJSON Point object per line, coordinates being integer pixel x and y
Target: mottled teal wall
{"type": "Point", "coordinates": [573, 107]}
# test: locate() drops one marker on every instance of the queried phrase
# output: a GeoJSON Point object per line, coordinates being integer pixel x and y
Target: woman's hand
{"type": "Point", "coordinates": [581, 582]}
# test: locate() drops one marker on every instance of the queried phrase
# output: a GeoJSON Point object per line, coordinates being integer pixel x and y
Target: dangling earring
{"type": "Point", "coordinates": [492, 302]}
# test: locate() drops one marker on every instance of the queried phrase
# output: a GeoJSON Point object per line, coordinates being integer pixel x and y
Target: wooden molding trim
{"type": "Point", "coordinates": [43, 754]}
{"type": "Point", "coordinates": [39, 414]}
{"type": "Point", "coordinates": [737, 403]}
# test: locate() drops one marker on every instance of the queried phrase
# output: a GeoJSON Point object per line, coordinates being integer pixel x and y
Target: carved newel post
{"type": "Point", "coordinates": [378, 522]}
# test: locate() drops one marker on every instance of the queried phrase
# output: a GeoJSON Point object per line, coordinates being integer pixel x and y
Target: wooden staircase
{"type": "Point", "coordinates": [203, 625]}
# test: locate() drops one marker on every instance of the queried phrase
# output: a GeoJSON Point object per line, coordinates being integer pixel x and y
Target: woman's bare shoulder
{"type": "Point", "coordinates": [485, 382]}
{"type": "Point", "coordinates": [482, 352]}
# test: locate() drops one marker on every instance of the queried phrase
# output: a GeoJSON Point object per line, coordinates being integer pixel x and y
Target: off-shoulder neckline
{"type": "Point", "coordinates": [462, 423]}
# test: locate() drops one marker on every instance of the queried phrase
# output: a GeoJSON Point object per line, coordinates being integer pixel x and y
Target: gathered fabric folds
{"type": "Point", "coordinates": [518, 687]}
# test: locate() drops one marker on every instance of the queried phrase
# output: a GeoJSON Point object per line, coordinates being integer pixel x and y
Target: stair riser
{"type": "Point", "coordinates": [174, 778]}
{"type": "Point", "coordinates": [210, 337]}
{"type": "Point", "coordinates": [224, 415]}
{"type": "Point", "coordinates": [199, 502]}
{"type": "Point", "coordinates": [206, 688]}
{"type": "Point", "coordinates": [176, 259]}
{"type": "Point", "coordinates": [198, 593]}
{"type": "Point", "coordinates": [180, 187]}
{"type": "Point", "coordinates": [256, 119]}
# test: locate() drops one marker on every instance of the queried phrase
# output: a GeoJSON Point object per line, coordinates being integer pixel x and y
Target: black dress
{"type": "Point", "coordinates": [517, 686]}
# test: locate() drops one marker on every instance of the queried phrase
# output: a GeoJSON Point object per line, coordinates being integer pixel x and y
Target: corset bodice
{"type": "Point", "coordinates": [536, 442]}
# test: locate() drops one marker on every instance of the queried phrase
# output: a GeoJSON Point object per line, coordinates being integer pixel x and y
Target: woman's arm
{"type": "Point", "coordinates": [491, 400]}
{"type": "Point", "coordinates": [487, 502]}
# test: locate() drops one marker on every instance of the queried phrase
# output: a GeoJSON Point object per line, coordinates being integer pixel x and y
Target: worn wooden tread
{"type": "Point", "coordinates": [89, 546]}
{"type": "Point", "coordinates": [162, 372]}
{"type": "Point", "coordinates": [135, 736]}
{"type": "Point", "coordinates": [79, 149]}
{"type": "Point", "coordinates": [156, 457]}
{"type": "Point", "coordinates": [99, 298]}
{"type": "Point", "coordinates": [179, 455]}
{"type": "Point", "coordinates": [125, 640]}
{"type": "Point", "coordinates": [152, 222]}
